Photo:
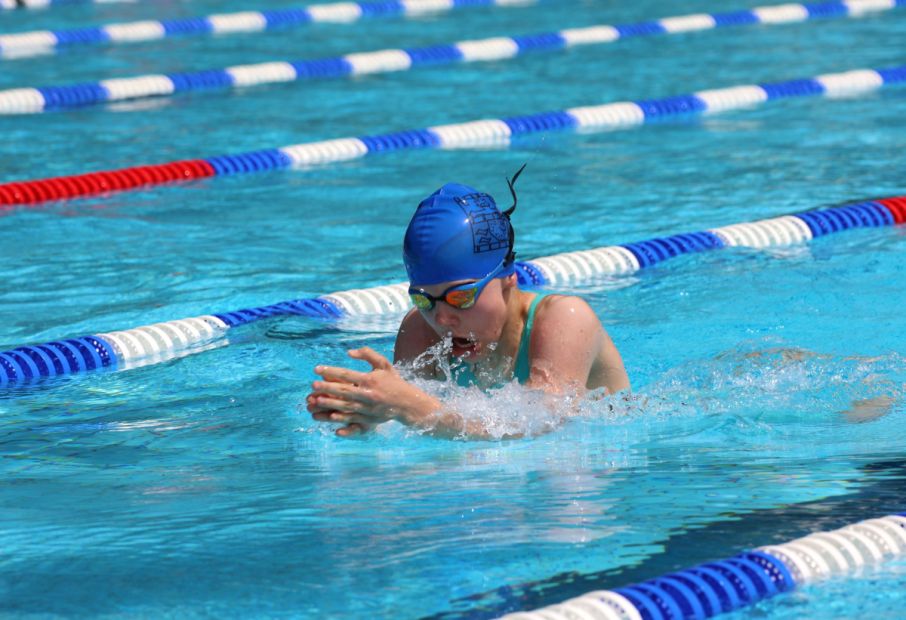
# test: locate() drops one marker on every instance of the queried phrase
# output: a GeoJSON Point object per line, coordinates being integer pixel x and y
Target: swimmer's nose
{"type": "Point", "coordinates": [445, 316]}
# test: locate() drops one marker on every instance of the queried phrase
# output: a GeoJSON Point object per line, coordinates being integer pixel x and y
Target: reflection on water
{"type": "Point", "coordinates": [230, 479]}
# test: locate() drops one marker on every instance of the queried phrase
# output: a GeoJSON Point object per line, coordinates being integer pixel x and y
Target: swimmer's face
{"type": "Point", "coordinates": [472, 329]}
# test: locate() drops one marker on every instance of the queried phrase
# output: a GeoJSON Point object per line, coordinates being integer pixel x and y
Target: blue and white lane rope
{"type": "Point", "coordinates": [725, 585]}
{"type": "Point", "coordinates": [43, 4]}
{"type": "Point", "coordinates": [160, 341]}
{"type": "Point", "coordinates": [39, 42]}
{"type": "Point", "coordinates": [460, 135]}
{"type": "Point", "coordinates": [39, 99]}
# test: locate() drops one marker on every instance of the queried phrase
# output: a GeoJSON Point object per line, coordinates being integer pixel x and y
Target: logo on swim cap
{"type": "Point", "coordinates": [457, 233]}
{"type": "Point", "coordinates": [490, 229]}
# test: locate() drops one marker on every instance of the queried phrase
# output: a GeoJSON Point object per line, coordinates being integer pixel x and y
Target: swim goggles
{"type": "Point", "coordinates": [460, 296]}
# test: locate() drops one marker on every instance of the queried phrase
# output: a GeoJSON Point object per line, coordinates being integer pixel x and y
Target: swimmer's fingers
{"type": "Point", "coordinates": [338, 405]}
{"type": "Point", "coordinates": [349, 418]}
{"type": "Point", "coordinates": [351, 430]}
{"type": "Point", "coordinates": [342, 375]}
{"type": "Point", "coordinates": [323, 416]}
{"type": "Point", "coordinates": [367, 354]}
{"type": "Point", "coordinates": [311, 404]}
{"type": "Point", "coordinates": [330, 388]}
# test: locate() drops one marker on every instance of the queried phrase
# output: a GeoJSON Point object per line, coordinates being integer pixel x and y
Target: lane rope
{"type": "Point", "coordinates": [480, 133]}
{"type": "Point", "coordinates": [38, 42]}
{"type": "Point", "coordinates": [32, 100]}
{"type": "Point", "coordinates": [722, 586]}
{"type": "Point", "coordinates": [43, 4]}
{"type": "Point", "coordinates": [120, 350]}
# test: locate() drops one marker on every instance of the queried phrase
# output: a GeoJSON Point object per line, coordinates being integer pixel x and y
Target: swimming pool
{"type": "Point", "coordinates": [199, 487]}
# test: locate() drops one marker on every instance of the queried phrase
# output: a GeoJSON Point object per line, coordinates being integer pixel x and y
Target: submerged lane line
{"type": "Point", "coordinates": [39, 42]}
{"type": "Point", "coordinates": [33, 100]}
{"type": "Point", "coordinates": [460, 135]}
{"type": "Point", "coordinates": [151, 344]}
{"type": "Point", "coordinates": [721, 586]}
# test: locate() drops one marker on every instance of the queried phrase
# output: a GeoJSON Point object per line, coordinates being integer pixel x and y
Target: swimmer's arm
{"type": "Point", "coordinates": [615, 377]}
{"type": "Point", "coordinates": [570, 346]}
{"type": "Point", "coordinates": [859, 411]}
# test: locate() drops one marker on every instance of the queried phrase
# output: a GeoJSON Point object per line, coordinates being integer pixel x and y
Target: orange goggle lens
{"type": "Point", "coordinates": [461, 298]}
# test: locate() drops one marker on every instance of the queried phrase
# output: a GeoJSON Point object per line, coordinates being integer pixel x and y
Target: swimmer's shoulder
{"type": "Point", "coordinates": [557, 312]}
{"type": "Point", "coordinates": [569, 332]}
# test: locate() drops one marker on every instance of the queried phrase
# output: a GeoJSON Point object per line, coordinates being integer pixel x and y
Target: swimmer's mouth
{"type": "Point", "coordinates": [463, 346]}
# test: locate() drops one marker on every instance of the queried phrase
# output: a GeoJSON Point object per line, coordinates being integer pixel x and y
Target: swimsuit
{"type": "Point", "coordinates": [522, 370]}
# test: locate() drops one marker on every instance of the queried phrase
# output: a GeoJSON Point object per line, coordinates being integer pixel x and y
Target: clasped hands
{"type": "Point", "coordinates": [361, 400]}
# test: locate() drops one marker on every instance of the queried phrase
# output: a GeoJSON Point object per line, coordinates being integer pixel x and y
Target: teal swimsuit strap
{"type": "Point", "coordinates": [523, 369]}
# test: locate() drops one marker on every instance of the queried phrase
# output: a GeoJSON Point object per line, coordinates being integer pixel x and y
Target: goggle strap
{"type": "Point", "coordinates": [512, 185]}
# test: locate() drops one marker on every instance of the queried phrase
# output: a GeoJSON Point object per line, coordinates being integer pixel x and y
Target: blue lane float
{"type": "Point", "coordinates": [39, 99]}
{"type": "Point", "coordinates": [33, 43]}
{"type": "Point", "coordinates": [150, 344]}
{"type": "Point", "coordinates": [726, 585]}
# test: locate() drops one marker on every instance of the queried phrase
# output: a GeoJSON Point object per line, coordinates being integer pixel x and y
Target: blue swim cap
{"type": "Point", "coordinates": [457, 233]}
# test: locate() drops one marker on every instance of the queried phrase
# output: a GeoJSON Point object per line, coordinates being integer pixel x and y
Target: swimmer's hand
{"type": "Point", "coordinates": [362, 399]}
{"type": "Point", "coordinates": [324, 414]}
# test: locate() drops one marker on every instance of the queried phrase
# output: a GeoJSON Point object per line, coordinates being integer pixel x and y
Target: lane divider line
{"type": "Point", "coordinates": [33, 100]}
{"type": "Point", "coordinates": [460, 135]}
{"type": "Point", "coordinates": [726, 585]}
{"type": "Point", "coordinates": [119, 350]}
{"type": "Point", "coordinates": [39, 42]}
{"type": "Point", "coordinates": [43, 4]}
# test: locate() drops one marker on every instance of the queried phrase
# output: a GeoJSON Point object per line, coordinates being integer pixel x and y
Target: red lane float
{"type": "Point", "coordinates": [896, 206]}
{"type": "Point", "coordinates": [98, 183]}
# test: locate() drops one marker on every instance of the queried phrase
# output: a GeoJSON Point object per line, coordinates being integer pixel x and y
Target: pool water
{"type": "Point", "coordinates": [768, 386]}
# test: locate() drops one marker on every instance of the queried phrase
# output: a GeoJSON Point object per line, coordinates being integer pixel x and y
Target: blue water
{"type": "Point", "coordinates": [768, 385]}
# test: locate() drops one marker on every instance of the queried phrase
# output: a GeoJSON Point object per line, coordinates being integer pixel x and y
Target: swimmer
{"type": "Point", "coordinates": [458, 253]}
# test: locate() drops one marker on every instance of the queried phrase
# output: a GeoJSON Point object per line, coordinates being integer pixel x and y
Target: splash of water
{"type": "Point", "coordinates": [507, 409]}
